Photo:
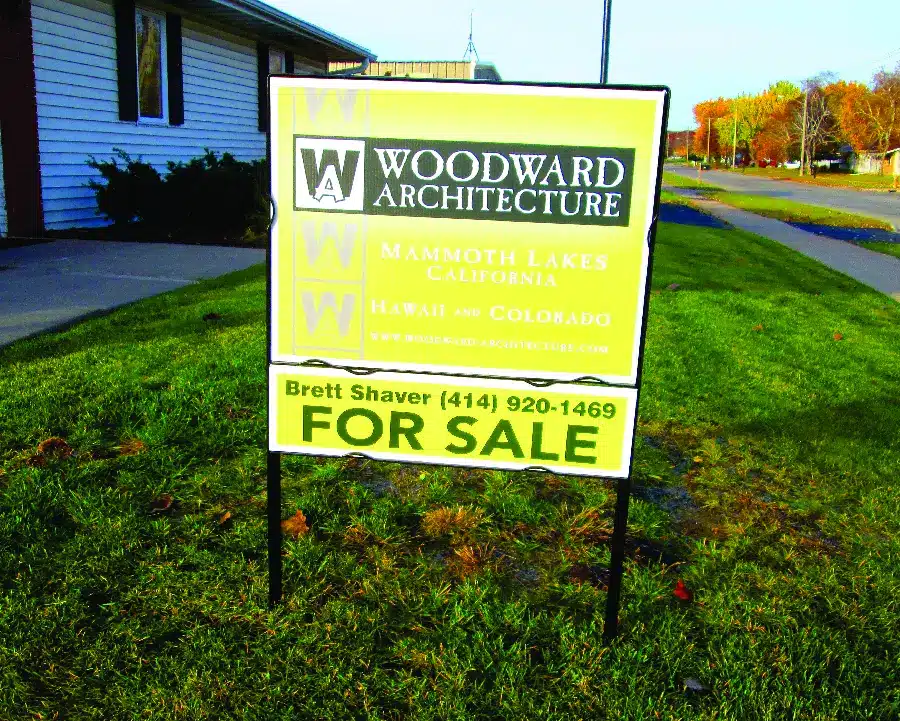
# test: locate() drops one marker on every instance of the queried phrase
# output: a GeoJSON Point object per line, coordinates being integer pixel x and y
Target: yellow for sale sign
{"type": "Point", "coordinates": [577, 429]}
{"type": "Point", "coordinates": [463, 228]}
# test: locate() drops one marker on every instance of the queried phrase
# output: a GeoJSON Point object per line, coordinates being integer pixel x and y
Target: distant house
{"type": "Point", "coordinates": [874, 163]}
{"type": "Point", "coordinates": [160, 80]}
{"type": "Point", "coordinates": [454, 69]}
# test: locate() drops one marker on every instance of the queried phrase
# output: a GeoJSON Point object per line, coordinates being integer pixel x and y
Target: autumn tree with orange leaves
{"type": "Point", "coordinates": [768, 126]}
{"type": "Point", "coordinates": [706, 114]}
{"type": "Point", "coordinates": [870, 118]}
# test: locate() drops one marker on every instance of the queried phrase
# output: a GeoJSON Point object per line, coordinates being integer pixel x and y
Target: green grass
{"type": "Point", "coordinates": [679, 181]}
{"type": "Point", "coordinates": [886, 248]}
{"type": "Point", "coordinates": [828, 179]}
{"type": "Point", "coordinates": [791, 212]}
{"type": "Point", "coordinates": [769, 451]}
{"type": "Point", "coordinates": [667, 196]}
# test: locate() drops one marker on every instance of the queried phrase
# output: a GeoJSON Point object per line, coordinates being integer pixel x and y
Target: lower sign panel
{"type": "Point", "coordinates": [565, 428]}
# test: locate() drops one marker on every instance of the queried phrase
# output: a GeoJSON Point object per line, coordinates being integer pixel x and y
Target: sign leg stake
{"type": "Point", "coordinates": [617, 560]}
{"type": "Point", "coordinates": [273, 493]}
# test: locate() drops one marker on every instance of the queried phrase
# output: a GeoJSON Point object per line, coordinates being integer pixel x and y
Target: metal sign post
{"type": "Point", "coordinates": [604, 56]}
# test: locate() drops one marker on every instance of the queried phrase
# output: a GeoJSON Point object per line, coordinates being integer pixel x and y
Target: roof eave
{"type": "Point", "coordinates": [265, 13]}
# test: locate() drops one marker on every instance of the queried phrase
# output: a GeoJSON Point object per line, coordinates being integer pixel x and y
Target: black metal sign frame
{"type": "Point", "coordinates": [623, 487]}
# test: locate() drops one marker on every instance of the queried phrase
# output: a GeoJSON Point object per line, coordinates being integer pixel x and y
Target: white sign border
{"type": "Point", "coordinates": [630, 394]}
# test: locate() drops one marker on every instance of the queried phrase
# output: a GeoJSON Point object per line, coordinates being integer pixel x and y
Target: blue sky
{"type": "Point", "coordinates": [701, 49]}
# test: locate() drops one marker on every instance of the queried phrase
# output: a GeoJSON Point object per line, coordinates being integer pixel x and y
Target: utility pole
{"type": "Point", "coordinates": [708, 133]}
{"type": "Point", "coordinates": [604, 53]}
{"type": "Point", "coordinates": [734, 141]}
{"type": "Point", "coordinates": [803, 131]}
{"type": "Point", "coordinates": [687, 152]}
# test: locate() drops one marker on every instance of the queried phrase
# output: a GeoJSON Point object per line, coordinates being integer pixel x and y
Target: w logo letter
{"type": "Point", "coordinates": [329, 174]}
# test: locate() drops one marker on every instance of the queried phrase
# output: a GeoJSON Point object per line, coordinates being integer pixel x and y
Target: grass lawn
{"type": "Point", "coordinates": [679, 181]}
{"type": "Point", "coordinates": [132, 551]}
{"type": "Point", "coordinates": [886, 248]}
{"type": "Point", "coordinates": [667, 196]}
{"type": "Point", "coordinates": [829, 179]}
{"type": "Point", "coordinates": [793, 212]}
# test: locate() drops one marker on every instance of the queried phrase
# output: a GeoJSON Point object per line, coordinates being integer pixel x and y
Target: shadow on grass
{"type": "Point", "coordinates": [708, 259]}
{"type": "Point", "coordinates": [870, 421]}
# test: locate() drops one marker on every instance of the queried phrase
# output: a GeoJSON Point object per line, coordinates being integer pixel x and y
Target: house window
{"type": "Point", "coordinates": [277, 64]}
{"type": "Point", "coordinates": [150, 34]}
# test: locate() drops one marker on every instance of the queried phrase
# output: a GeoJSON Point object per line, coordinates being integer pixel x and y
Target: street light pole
{"type": "Point", "coordinates": [604, 53]}
{"type": "Point", "coordinates": [708, 132]}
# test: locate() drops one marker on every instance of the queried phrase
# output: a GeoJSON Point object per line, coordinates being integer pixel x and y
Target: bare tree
{"type": "Point", "coordinates": [814, 123]}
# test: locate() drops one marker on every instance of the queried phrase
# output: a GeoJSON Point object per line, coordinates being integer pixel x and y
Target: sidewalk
{"type": "Point", "coordinates": [877, 270]}
{"type": "Point", "coordinates": [47, 285]}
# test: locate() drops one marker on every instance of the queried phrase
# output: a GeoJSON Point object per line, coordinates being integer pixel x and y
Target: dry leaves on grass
{"type": "Point", "coordinates": [51, 449]}
{"type": "Point", "coordinates": [758, 327]}
{"type": "Point", "coordinates": [444, 520]}
{"type": "Point", "coordinates": [468, 560]}
{"type": "Point", "coordinates": [295, 526]}
{"type": "Point", "coordinates": [838, 336]}
{"type": "Point", "coordinates": [590, 526]}
{"type": "Point", "coordinates": [132, 447]}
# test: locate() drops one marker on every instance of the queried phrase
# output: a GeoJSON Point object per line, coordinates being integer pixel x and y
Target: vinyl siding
{"type": "Point", "coordinates": [75, 71]}
{"type": "Point", "coordinates": [3, 227]}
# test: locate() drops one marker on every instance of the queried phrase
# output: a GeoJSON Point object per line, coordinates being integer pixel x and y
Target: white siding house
{"type": "Point", "coordinates": [75, 77]}
{"type": "Point", "coordinates": [77, 71]}
{"type": "Point", "coordinates": [3, 229]}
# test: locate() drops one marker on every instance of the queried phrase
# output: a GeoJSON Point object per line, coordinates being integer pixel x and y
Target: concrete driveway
{"type": "Point", "coordinates": [46, 285]}
{"type": "Point", "coordinates": [884, 206]}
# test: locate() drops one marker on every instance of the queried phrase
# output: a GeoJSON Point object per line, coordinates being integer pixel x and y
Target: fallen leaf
{"type": "Point", "coordinates": [673, 286]}
{"type": "Point", "coordinates": [296, 525]}
{"type": "Point", "coordinates": [132, 447]}
{"type": "Point", "coordinates": [54, 447]}
{"type": "Point", "coordinates": [698, 459]}
{"type": "Point", "coordinates": [224, 517]}
{"type": "Point", "coordinates": [838, 336]}
{"type": "Point", "coordinates": [161, 504]}
{"type": "Point", "coordinates": [758, 328]}
{"type": "Point", "coordinates": [681, 591]}
{"type": "Point", "coordinates": [212, 316]}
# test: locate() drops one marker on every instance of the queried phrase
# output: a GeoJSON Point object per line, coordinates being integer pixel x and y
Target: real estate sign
{"type": "Point", "coordinates": [464, 228]}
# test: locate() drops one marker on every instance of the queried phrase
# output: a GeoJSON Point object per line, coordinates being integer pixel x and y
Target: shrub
{"type": "Point", "coordinates": [207, 199]}
{"type": "Point", "coordinates": [211, 197]}
{"type": "Point", "coordinates": [133, 193]}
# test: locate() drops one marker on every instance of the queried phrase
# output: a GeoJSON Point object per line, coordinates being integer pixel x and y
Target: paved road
{"type": "Point", "coordinates": [884, 206]}
{"type": "Point", "coordinates": [46, 285]}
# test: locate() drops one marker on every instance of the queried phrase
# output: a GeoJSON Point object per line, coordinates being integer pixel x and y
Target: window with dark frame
{"type": "Point", "coordinates": [277, 64]}
{"type": "Point", "coordinates": [151, 64]}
